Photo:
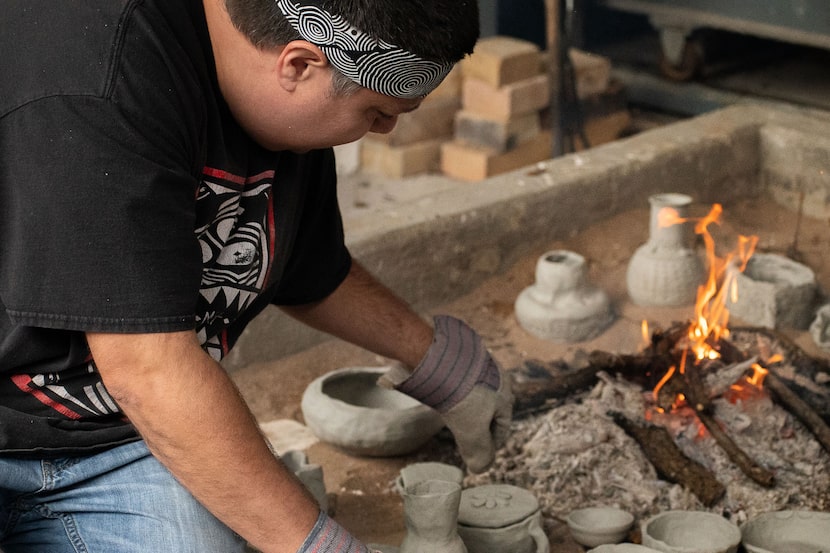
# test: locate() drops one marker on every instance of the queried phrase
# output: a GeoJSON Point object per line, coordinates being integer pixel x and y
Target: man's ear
{"type": "Point", "coordinates": [299, 61]}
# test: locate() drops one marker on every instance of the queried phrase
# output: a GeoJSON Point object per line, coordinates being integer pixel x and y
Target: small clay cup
{"type": "Point", "coordinates": [593, 526]}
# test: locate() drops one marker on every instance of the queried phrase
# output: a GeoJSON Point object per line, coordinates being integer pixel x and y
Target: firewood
{"type": "Point", "coordinates": [798, 407]}
{"type": "Point", "coordinates": [671, 464]}
{"type": "Point", "coordinates": [698, 398]}
{"type": "Point", "coordinates": [559, 381]}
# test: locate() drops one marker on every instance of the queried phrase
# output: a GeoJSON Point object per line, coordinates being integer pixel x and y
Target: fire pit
{"type": "Point", "coordinates": [571, 451]}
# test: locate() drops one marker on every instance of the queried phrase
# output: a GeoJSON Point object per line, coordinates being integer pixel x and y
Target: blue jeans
{"type": "Point", "coordinates": [119, 501]}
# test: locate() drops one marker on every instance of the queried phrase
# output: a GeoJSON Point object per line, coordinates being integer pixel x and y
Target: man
{"type": "Point", "coordinates": [165, 173]}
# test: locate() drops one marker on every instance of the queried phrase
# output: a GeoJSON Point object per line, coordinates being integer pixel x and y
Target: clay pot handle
{"type": "Point", "coordinates": [538, 534]}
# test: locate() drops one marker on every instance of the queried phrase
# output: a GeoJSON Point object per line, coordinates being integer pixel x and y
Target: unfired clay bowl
{"type": "Point", "coordinates": [790, 531]}
{"type": "Point", "coordinates": [595, 526]}
{"type": "Point", "coordinates": [348, 409]}
{"type": "Point", "coordinates": [690, 532]}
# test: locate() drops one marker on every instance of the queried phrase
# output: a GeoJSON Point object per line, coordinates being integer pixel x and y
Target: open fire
{"type": "Point", "coordinates": [704, 385]}
{"type": "Point", "coordinates": [711, 317]}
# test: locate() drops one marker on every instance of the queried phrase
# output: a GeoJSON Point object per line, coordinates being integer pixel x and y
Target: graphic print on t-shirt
{"type": "Point", "coordinates": [235, 226]}
{"type": "Point", "coordinates": [75, 394]}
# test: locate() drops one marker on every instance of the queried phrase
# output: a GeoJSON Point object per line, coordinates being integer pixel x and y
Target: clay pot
{"type": "Point", "coordinates": [347, 408]}
{"type": "Point", "coordinates": [790, 531]}
{"type": "Point", "coordinates": [431, 517]}
{"type": "Point", "coordinates": [593, 526]}
{"type": "Point", "coordinates": [820, 327]}
{"type": "Point", "coordinates": [666, 270]}
{"type": "Point", "coordinates": [690, 532]}
{"type": "Point", "coordinates": [498, 517]}
{"type": "Point", "coordinates": [774, 291]}
{"type": "Point", "coordinates": [561, 305]}
{"type": "Point", "coordinates": [418, 472]}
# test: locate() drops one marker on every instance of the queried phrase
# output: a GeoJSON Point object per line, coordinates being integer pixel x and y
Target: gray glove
{"type": "Point", "coordinates": [458, 378]}
{"type": "Point", "coordinates": [329, 537]}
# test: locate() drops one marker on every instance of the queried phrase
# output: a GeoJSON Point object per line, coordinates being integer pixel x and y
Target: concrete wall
{"type": "Point", "coordinates": [432, 252]}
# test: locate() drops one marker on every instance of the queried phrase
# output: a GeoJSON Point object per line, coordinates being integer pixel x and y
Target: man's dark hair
{"type": "Point", "coordinates": [436, 30]}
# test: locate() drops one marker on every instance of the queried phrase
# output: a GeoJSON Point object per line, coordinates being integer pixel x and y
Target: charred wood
{"type": "Point", "coordinates": [698, 398]}
{"type": "Point", "coordinates": [669, 462]}
{"type": "Point", "coordinates": [799, 408]}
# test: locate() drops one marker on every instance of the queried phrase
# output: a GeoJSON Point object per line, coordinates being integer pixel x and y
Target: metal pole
{"type": "Point", "coordinates": [553, 9]}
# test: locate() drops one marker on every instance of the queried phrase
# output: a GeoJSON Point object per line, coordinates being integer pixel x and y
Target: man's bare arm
{"type": "Point", "coordinates": [194, 421]}
{"type": "Point", "coordinates": [366, 313]}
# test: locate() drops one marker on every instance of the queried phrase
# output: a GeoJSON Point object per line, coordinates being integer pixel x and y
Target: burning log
{"type": "Point", "coordinates": [803, 364]}
{"type": "Point", "coordinates": [698, 398]}
{"type": "Point", "coordinates": [670, 463]}
{"type": "Point", "coordinates": [544, 385]}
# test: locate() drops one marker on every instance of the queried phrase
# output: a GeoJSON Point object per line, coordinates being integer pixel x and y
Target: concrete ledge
{"type": "Point", "coordinates": [435, 249]}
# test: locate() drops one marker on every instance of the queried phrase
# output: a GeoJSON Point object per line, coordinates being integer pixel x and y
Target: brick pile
{"type": "Point", "coordinates": [491, 115]}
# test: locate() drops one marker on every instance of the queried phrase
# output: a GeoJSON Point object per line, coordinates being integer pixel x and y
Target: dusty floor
{"type": "Point", "coordinates": [361, 490]}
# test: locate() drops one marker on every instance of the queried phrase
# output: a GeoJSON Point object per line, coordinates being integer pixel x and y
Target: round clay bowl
{"type": "Point", "coordinates": [790, 531]}
{"type": "Point", "coordinates": [348, 409]}
{"type": "Point", "coordinates": [690, 532]}
{"type": "Point", "coordinates": [595, 526]}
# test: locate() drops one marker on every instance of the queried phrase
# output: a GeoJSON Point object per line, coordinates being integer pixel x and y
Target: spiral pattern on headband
{"type": "Point", "coordinates": [371, 63]}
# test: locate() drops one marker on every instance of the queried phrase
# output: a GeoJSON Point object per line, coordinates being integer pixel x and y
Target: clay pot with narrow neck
{"type": "Point", "coordinates": [561, 305]}
{"type": "Point", "coordinates": [431, 517]}
{"type": "Point", "coordinates": [666, 270]}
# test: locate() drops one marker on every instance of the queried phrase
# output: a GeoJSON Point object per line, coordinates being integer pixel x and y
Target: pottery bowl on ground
{"type": "Point", "coordinates": [691, 532]}
{"type": "Point", "coordinates": [790, 531]}
{"type": "Point", "coordinates": [595, 526]}
{"type": "Point", "coordinates": [347, 408]}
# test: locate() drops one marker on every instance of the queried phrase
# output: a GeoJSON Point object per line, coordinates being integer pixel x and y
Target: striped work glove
{"type": "Point", "coordinates": [458, 378]}
{"type": "Point", "coordinates": [328, 536]}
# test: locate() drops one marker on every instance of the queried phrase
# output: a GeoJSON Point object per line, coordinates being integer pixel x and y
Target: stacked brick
{"type": "Point", "coordinates": [491, 115]}
{"type": "Point", "coordinates": [602, 100]}
{"type": "Point", "coordinates": [499, 128]}
{"type": "Point", "coordinates": [414, 146]}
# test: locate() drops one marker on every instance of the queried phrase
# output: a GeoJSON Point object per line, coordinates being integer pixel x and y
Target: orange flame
{"type": "Point", "coordinates": [711, 317]}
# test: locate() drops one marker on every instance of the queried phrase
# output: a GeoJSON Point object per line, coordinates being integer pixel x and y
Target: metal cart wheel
{"type": "Point", "coordinates": [681, 56]}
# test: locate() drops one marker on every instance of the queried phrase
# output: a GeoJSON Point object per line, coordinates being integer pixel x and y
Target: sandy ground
{"type": "Point", "coordinates": [360, 489]}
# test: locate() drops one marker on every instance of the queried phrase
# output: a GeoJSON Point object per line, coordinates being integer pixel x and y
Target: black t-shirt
{"type": "Point", "coordinates": [130, 201]}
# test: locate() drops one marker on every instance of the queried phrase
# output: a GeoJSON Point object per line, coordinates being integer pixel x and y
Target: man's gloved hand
{"type": "Point", "coordinates": [329, 537]}
{"type": "Point", "coordinates": [458, 378]}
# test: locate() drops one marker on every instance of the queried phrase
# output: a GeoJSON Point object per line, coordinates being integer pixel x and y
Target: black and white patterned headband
{"type": "Point", "coordinates": [373, 64]}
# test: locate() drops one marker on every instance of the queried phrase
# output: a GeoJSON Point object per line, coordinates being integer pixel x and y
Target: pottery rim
{"type": "Point", "coordinates": [593, 526]}
{"type": "Point", "coordinates": [681, 531]}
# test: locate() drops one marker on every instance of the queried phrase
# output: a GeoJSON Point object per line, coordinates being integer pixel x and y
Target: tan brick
{"type": "Point", "coordinates": [379, 158]}
{"type": "Point", "coordinates": [604, 129]}
{"type": "Point", "coordinates": [431, 120]}
{"type": "Point", "coordinates": [502, 60]}
{"type": "Point", "coordinates": [469, 163]}
{"type": "Point", "coordinates": [505, 102]}
{"type": "Point", "coordinates": [591, 71]}
{"type": "Point", "coordinates": [498, 134]}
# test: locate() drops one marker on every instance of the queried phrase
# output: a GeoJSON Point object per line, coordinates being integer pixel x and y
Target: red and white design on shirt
{"type": "Point", "coordinates": [235, 228]}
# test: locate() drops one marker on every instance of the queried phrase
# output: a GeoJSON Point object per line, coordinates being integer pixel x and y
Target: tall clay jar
{"type": "Point", "coordinates": [666, 270]}
{"type": "Point", "coordinates": [431, 517]}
